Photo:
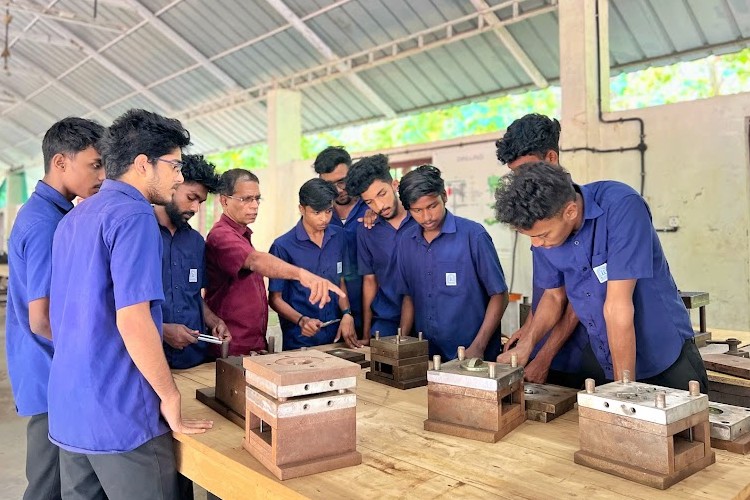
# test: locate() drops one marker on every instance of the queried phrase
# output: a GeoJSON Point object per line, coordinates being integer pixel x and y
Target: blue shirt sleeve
{"type": "Point", "coordinates": [276, 284]}
{"type": "Point", "coordinates": [546, 276]}
{"type": "Point", "coordinates": [630, 246]}
{"type": "Point", "coordinates": [37, 252]}
{"type": "Point", "coordinates": [136, 251]}
{"type": "Point", "coordinates": [364, 256]}
{"type": "Point", "coordinates": [487, 265]}
{"type": "Point", "coordinates": [401, 282]}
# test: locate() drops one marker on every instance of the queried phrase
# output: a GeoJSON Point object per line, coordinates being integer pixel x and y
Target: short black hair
{"type": "Point", "coordinates": [330, 158]}
{"type": "Point", "coordinates": [424, 180]}
{"type": "Point", "coordinates": [366, 171]}
{"type": "Point", "coordinates": [230, 178]}
{"type": "Point", "coordinates": [533, 134]}
{"type": "Point", "coordinates": [317, 194]}
{"type": "Point", "coordinates": [70, 136]}
{"type": "Point", "coordinates": [140, 132]}
{"type": "Point", "coordinates": [532, 192]}
{"type": "Point", "coordinates": [195, 168]}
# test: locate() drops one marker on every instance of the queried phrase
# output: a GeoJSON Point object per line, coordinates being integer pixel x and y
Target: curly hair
{"type": "Point", "coordinates": [196, 169]}
{"type": "Point", "coordinates": [532, 192]}
{"type": "Point", "coordinates": [533, 134]}
{"type": "Point", "coordinates": [330, 158]}
{"type": "Point", "coordinates": [366, 171]}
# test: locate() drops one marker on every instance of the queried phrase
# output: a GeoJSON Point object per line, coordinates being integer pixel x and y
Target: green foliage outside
{"type": "Point", "coordinates": [704, 78]}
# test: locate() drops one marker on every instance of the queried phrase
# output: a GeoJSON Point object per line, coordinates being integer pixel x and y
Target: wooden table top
{"type": "Point", "coordinates": [401, 460]}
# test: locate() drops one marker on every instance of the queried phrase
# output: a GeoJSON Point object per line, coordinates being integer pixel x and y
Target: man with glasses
{"type": "Point", "coordinates": [112, 399]}
{"type": "Point", "coordinates": [236, 291]}
{"type": "Point", "coordinates": [332, 165]}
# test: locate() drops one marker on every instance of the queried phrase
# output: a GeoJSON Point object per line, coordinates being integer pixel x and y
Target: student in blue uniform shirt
{"type": "Point", "coordinates": [371, 180]}
{"type": "Point", "coordinates": [448, 271]}
{"type": "Point", "coordinates": [185, 315]}
{"type": "Point", "coordinates": [112, 398]}
{"type": "Point", "coordinates": [332, 165]}
{"type": "Point", "coordinates": [319, 247]}
{"type": "Point", "coordinates": [72, 167]}
{"type": "Point", "coordinates": [595, 246]}
{"type": "Point", "coordinates": [564, 355]}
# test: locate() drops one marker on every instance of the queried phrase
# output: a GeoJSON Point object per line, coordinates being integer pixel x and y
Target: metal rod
{"type": "Point", "coordinates": [590, 386]}
{"type": "Point", "coordinates": [461, 353]}
{"type": "Point", "coordinates": [436, 362]}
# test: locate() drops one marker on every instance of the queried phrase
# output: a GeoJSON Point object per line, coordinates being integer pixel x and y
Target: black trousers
{"type": "Point", "coordinates": [590, 368]}
{"type": "Point", "coordinates": [42, 461]}
{"type": "Point", "coordinates": [688, 366]}
{"type": "Point", "coordinates": [146, 473]}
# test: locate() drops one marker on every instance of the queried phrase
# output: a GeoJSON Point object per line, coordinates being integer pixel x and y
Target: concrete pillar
{"type": "Point", "coordinates": [579, 81]}
{"type": "Point", "coordinates": [277, 212]}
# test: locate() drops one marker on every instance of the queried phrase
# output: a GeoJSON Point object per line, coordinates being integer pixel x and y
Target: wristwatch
{"type": "Point", "coordinates": [348, 311]}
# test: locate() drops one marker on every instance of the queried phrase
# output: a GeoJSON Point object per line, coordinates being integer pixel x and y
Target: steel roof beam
{"type": "Point", "coordinates": [319, 45]}
{"type": "Point", "coordinates": [118, 72]}
{"type": "Point", "coordinates": [394, 50]}
{"type": "Point", "coordinates": [183, 44]}
{"type": "Point", "coordinates": [510, 43]}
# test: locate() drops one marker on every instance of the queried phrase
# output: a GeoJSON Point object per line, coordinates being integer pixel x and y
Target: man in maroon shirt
{"type": "Point", "coordinates": [236, 291]}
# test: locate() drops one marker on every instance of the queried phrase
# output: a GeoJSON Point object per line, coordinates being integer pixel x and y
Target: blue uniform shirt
{"type": "Point", "coordinates": [351, 275]}
{"type": "Point", "coordinates": [617, 241]}
{"type": "Point", "coordinates": [183, 277]}
{"type": "Point", "coordinates": [296, 248]}
{"type": "Point", "coordinates": [29, 257]}
{"type": "Point", "coordinates": [106, 256]}
{"type": "Point", "coordinates": [568, 358]}
{"type": "Point", "coordinates": [450, 281]}
{"type": "Point", "coordinates": [375, 249]}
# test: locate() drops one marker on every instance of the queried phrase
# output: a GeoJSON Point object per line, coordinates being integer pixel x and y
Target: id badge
{"type": "Point", "coordinates": [601, 273]}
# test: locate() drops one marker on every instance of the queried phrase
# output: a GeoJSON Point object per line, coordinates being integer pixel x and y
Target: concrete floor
{"type": "Point", "coordinates": [12, 431]}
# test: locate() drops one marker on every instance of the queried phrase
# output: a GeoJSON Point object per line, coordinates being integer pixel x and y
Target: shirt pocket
{"type": "Point", "coordinates": [599, 273]}
{"type": "Point", "coordinates": [450, 278]}
{"type": "Point", "coordinates": [191, 274]}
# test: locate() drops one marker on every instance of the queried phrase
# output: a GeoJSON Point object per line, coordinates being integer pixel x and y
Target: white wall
{"type": "Point", "coordinates": [697, 168]}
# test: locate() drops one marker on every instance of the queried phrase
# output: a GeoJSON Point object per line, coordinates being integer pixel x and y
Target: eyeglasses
{"type": "Point", "coordinates": [176, 164]}
{"type": "Point", "coordinates": [341, 183]}
{"type": "Point", "coordinates": [245, 200]}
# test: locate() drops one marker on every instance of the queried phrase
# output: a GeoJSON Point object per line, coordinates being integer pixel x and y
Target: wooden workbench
{"type": "Point", "coordinates": [401, 460]}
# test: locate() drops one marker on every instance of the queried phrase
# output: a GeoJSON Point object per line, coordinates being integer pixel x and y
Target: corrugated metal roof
{"type": "Point", "coordinates": [210, 63]}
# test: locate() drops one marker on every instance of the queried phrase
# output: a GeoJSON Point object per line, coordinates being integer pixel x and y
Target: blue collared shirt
{"type": "Point", "coordinates": [375, 248]}
{"type": "Point", "coordinates": [296, 248]}
{"type": "Point", "coordinates": [183, 277]}
{"type": "Point", "coordinates": [30, 258]}
{"type": "Point", "coordinates": [450, 281]}
{"type": "Point", "coordinates": [617, 241]}
{"type": "Point", "coordinates": [351, 275]}
{"type": "Point", "coordinates": [106, 256]}
{"type": "Point", "coordinates": [568, 358]}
